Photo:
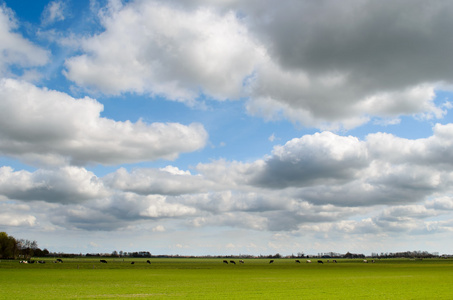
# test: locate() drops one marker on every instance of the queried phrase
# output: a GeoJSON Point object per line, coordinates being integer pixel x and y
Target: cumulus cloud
{"type": "Point", "coordinates": [64, 185]}
{"type": "Point", "coordinates": [119, 211]}
{"type": "Point", "coordinates": [332, 66]}
{"type": "Point", "coordinates": [161, 49]}
{"type": "Point", "coordinates": [51, 128]}
{"type": "Point", "coordinates": [14, 49]}
{"type": "Point", "coordinates": [168, 181]}
{"type": "Point", "coordinates": [434, 150]}
{"type": "Point", "coordinates": [16, 214]}
{"type": "Point", "coordinates": [441, 203]}
{"type": "Point", "coordinates": [320, 157]}
{"type": "Point", "coordinates": [338, 62]}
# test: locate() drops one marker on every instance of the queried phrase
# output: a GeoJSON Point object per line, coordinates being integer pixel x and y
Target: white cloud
{"type": "Point", "coordinates": [14, 49]}
{"type": "Point", "coordinates": [320, 157]}
{"type": "Point", "coordinates": [64, 185]}
{"type": "Point", "coordinates": [49, 127]}
{"type": "Point", "coordinates": [53, 12]}
{"type": "Point", "coordinates": [152, 181]}
{"type": "Point", "coordinates": [16, 215]}
{"type": "Point", "coordinates": [159, 228]}
{"type": "Point", "coordinates": [17, 220]}
{"type": "Point", "coordinates": [159, 49]}
{"type": "Point", "coordinates": [443, 203]}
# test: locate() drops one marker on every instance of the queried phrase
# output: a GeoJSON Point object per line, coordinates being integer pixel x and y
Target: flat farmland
{"type": "Point", "coordinates": [196, 278]}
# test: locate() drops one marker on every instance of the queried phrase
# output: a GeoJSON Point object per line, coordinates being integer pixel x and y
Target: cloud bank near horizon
{"type": "Point", "coordinates": [317, 179]}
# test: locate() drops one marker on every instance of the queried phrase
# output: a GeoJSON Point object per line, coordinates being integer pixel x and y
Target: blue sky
{"type": "Point", "coordinates": [227, 127]}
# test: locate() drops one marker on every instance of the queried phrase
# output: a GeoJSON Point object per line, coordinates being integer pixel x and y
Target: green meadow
{"type": "Point", "coordinates": [197, 278]}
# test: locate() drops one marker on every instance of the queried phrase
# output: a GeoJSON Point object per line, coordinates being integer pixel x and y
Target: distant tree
{"type": "Point", "coordinates": [27, 248]}
{"type": "Point", "coordinates": [8, 246]}
{"type": "Point", "coordinates": [41, 253]}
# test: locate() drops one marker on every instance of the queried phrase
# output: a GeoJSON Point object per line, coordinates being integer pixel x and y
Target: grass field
{"type": "Point", "coordinates": [86, 278]}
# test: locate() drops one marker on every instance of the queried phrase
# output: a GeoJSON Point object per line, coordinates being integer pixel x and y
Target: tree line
{"type": "Point", "coordinates": [12, 248]}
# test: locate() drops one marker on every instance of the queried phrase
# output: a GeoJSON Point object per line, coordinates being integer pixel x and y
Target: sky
{"type": "Point", "coordinates": [227, 127]}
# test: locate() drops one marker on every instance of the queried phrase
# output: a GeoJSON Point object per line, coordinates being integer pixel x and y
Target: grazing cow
{"type": "Point", "coordinates": [297, 261]}
{"type": "Point", "coordinates": [308, 261]}
{"type": "Point", "coordinates": [225, 262]}
{"type": "Point", "coordinates": [320, 262]}
{"type": "Point", "coordinates": [41, 262]}
{"type": "Point", "coordinates": [59, 260]}
{"type": "Point", "coordinates": [232, 262]}
{"type": "Point", "coordinates": [103, 261]}
{"type": "Point", "coordinates": [373, 261]}
{"type": "Point", "coordinates": [132, 262]}
{"type": "Point", "coordinates": [335, 261]}
{"type": "Point", "coordinates": [241, 261]}
{"type": "Point", "coordinates": [271, 262]}
{"type": "Point", "coordinates": [148, 261]}
{"type": "Point", "coordinates": [365, 261]}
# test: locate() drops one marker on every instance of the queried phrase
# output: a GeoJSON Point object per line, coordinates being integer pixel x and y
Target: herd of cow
{"type": "Point", "coordinates": [132, 262]}
{"type": "Point", "coordinates": [39, 261]}
{"type": "Point", "coordinates": [149, 262]}
{"type": "Point", "coordinates": [232, 262]}
{"type": "Point", "coordinates": [297, 261]}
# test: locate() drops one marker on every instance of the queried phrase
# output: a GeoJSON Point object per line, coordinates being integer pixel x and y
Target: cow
{"type": "Point", "coordinates": [148, 261]}
{"type": "Point", "coordinates": [297, 261]}
{"type": "Point", "coordinates": [308, 261]}
{"type": "Point", "coordinates": [59, 260]}
{"type": "Point", "coordinates": [373, 261]}
{"type": "Point", "coordinates": [132, 262]}
{"type": "Point", "coordinates": [272, 261]}
{"type": "Point", "coordinates": [365, 261]}
{"type": "Point", "coordinates": [232, 262]}
{"type": "Point", "coordinates": [103, 261]}
{"type": "Point", "coordinates": [225, 262]}
{"type": "Point", "coordinates": [241, 261]}
{"type": "Point", "coordinates": [41, 262]}
{"type": "Point", "coordinates": [320, 262]}
{"type": "Point", "coordinates": [335, 261]}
